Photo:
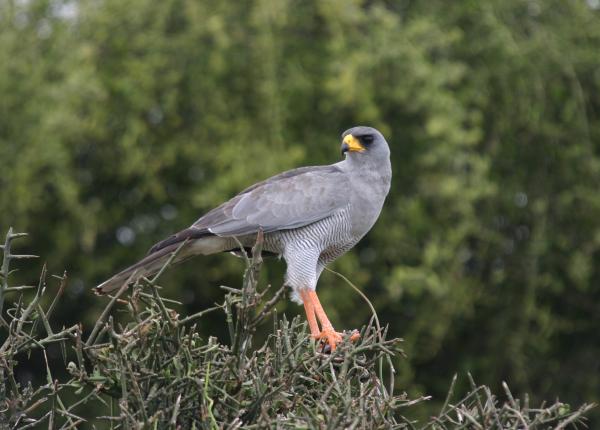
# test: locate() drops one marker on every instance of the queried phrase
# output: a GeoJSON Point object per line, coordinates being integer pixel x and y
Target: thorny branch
{"type": "Point", "coordinates": [152, 369]}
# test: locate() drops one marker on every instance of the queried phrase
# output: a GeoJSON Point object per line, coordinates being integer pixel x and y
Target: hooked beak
{"type": "Point", "coordinates": [351, 144]}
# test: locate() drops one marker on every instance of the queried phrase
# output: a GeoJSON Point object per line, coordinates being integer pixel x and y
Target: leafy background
{"type": "Point", "coordinates": [121, 122]}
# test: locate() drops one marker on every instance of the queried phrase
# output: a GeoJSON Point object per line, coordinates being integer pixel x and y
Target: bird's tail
{"type": "Point", "coordinates": [147, 266]}
{"type": "Point", "coordinates": [192, 242]}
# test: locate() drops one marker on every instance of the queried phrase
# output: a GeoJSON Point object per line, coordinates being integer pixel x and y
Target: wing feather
{"type": "Point", "coordinates": [286, 201]}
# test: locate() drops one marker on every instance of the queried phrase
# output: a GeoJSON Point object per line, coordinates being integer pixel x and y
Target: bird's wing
{"type": "Point", "coordinates": [289, 200]}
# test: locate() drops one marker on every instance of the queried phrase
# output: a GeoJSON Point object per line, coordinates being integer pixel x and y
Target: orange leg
{"type": "Point", "coordinates": [309, 308]}
{"type": "Point", "coordinates": [313, 309]}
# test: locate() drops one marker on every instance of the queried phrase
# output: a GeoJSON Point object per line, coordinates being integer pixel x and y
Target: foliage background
{"type": "Point", "coordinates": [121, 122]}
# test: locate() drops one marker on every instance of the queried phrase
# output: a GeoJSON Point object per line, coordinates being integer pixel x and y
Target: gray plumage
{"type": "Point", "coordinates": [309, 216]}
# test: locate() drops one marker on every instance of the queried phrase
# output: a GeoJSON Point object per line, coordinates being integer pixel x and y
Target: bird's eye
{"type": "Point", "coordinates": [367, 139]}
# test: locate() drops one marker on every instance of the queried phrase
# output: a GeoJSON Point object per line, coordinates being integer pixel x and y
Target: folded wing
{"type": "Point", "coordinates": [290, 200]}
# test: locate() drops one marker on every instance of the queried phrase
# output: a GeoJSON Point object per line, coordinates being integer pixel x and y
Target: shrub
{"type": "Point", "coordinates": [145, 366]}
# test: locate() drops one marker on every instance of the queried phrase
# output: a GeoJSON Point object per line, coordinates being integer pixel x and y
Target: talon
{"type": "Point", "coordinates": [329, 337]}
{"type": "Point", "coordinates": [314, 311]}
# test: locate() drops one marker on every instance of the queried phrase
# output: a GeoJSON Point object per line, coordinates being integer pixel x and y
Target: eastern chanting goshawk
{"type": "Point", "coordinates": [310, 216]}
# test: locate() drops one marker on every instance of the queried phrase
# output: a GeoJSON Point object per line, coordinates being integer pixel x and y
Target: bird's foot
{"type": "Point", "coordinates": [330, 338]}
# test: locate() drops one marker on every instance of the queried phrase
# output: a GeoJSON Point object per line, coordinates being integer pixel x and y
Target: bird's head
{"type": "Point", "coordinates": [364, 144]}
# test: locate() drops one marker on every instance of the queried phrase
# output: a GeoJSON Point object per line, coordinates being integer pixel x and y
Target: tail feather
{"type": "Point", "coordinates": [147, 266]}
{"type": "Point", "coordinates": [190, 233]}
{"type": "Point", "coordinates": [197, 244]}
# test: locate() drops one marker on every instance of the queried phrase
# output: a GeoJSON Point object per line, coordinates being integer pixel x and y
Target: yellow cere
{"type": "Point", "coordinates": [353, 144]}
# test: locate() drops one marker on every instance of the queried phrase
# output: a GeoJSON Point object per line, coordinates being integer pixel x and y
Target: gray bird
{"type": "Point", "coordinates": [310, 216]}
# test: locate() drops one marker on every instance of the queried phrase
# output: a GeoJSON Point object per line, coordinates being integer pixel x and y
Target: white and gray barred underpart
{"type": "Point", "coordinates": [306, 250]}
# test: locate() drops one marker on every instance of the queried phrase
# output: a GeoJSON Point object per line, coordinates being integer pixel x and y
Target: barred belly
{"type": "Point", "coordinates": [326, 239]}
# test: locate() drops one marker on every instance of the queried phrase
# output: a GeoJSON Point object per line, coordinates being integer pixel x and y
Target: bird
{"type": "Point", "coordinates": [310, 216]}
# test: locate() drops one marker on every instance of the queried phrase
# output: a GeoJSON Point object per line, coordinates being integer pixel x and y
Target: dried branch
{"type": "Point", "coordinates": [153, 370]}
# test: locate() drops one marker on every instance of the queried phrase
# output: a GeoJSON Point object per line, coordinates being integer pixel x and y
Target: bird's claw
{"type": "Point", "coordinates": [330, 338]}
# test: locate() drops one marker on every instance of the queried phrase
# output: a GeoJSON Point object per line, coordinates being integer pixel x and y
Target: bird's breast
{"type": "Point", "coordinates": [365, 205]}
